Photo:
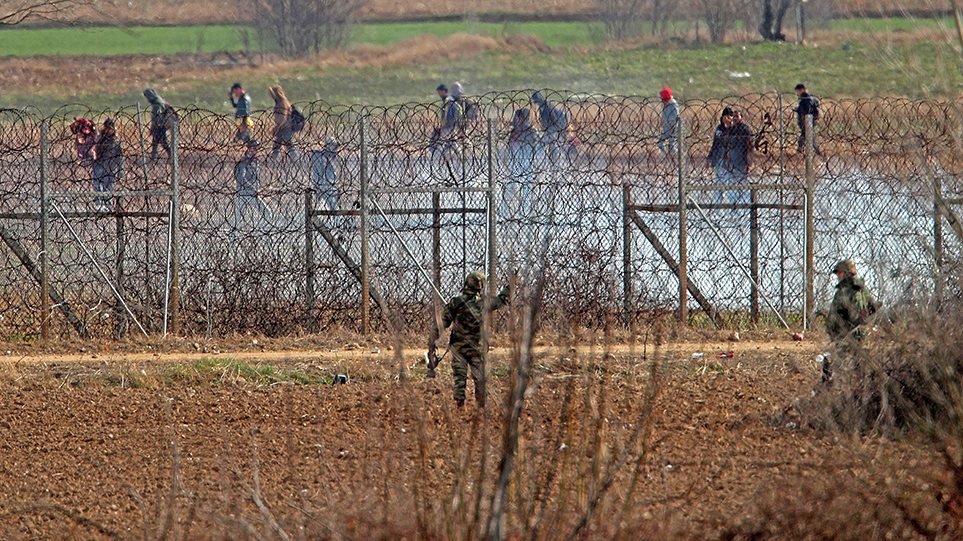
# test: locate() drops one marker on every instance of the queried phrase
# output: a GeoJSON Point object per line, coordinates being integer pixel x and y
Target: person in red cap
{"type": "Point", "coordinates": [670, 122]}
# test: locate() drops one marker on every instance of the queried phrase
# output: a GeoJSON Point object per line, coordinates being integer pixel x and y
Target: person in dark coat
{"type": "Point", "coordinates": [808, 105]}
{"type": "Point", "coordinates": [162, 117]}
{"type": "Point", "coordinates": [107, 163]}
{"type": "Point", "coordinates": [731, 155]}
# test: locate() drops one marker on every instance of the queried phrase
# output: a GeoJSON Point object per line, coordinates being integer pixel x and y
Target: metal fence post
{"type": "Point", "coordinates": [363, 229]}
{"type": "Point", "coordinates": [754, 257]}
{"type": "Point", "coordinates": [175, 299]}
{"type": "Point", "coordinates": [683, 225]}
{"type": "Point", "coordinates": [938, 241]}
{"type": "Point", "coordinates": [147, 205]}
{"type": "Point", "coordinates": [782, 201]}
{"type": "Point", "coordinates": [140, 137]}
{"type": "Point", "coordinates": [119, 257]}
{"type": "Point", "coordinates": [436, 256]}
{"type": "Point", "coordinates": [492, 221]}
{"type": "Point", "coordinates": [810, 222]}
{"type": "Point", "coordinates": [44, 232]}
{"type": "Point", "coordinates": [309, 265]}
{"type": "Point", "coordinates": [627, 254]}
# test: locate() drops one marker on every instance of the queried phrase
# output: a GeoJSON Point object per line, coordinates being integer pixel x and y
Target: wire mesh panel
{"type": "Point", "coordinates": [270, 223]}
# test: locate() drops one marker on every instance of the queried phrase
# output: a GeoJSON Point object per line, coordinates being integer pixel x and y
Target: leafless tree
{"type": "Point", "coordinates": [19, 11]}
{"type": "Point", "coordinates": [300, 27]}
{"type": "Point", "coordinates": [770, 22]}
{"type": "Point", "coordinates": [622, 18]}
{"type": "Point", "coordinates": [719, 16]}
{"type": "Point", "coordinates": [628, 18]}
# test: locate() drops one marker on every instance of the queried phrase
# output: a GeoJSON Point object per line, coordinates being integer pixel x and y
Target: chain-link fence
{"type": "Point", "coordinates": [383, 203]}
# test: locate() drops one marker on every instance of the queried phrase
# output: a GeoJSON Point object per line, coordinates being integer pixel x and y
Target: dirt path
{"type": "Point", "coordinates": [683, 349]}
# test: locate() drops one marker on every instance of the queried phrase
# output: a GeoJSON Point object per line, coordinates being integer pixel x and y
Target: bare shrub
{"type": "Point", "coordinates": [301, 27]}
{"type": "Point", "coordinates": [905, 380]}
{"type": "Point", "coordinates": [625, 19]}
{"type": "Point", "coordinates": [18, 11]}
{"type": "Point", "coordinates": [881, 502]}
{"type": "Point", "coordinates": [905, 383]}
{"type": "Point", "coordinates": [622, 18]}
{"type": "Point", "coordinates": [719, 15]}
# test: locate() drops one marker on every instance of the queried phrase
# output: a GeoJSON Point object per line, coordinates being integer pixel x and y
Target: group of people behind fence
{"type": "Point", "coordinates": [533, 144]}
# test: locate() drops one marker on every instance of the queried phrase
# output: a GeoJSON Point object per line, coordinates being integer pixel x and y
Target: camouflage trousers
{"type": "Point", "coordinates": [463, 360]}
{"type": "Point", "coordinates": [846, 349]}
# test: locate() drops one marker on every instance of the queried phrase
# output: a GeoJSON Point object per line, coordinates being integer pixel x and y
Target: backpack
{"type": "Point", "coordinates": [472, 110]}
{"type": "Point", "coordinates": [453, 112]}
{"type": "Point", "coordinates": [297, 119]}
{"type": "Point", "coordinates": [170, 116]}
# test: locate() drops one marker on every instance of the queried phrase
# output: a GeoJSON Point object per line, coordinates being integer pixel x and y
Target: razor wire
{"type": "Point", "coordinates": [243, 222]}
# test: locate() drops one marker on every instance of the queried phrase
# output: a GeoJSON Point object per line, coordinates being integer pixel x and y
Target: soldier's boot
{"type": "Point", "coordinates": [827, 373]}
{"type": "Point", "coordinates": [460, 403]}
{"type": "Point", "coordinates": [431, 373]}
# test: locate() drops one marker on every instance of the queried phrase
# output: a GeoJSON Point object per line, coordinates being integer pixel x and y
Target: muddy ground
{"type": "Point", "coordinates": [259, 444]}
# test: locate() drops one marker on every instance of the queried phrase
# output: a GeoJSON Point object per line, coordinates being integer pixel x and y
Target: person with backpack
{"type": "Point", "coordinates": [470, 109]}
{"type": "Point", "coordinates": [242, 110]}
{"type": "Point", "coordinates": [284, 122]}
{"type": "Point", "coordinates": [85, 136]}
{"type": "Point", "coordinates": [807, 105]}
{"type": "Point", "coordinates": [555, 127]}
{"type": "Point", "coordinates": [449, 118]}
{"type": "Point", "coordinates": [107, 163]}
{"type": "Point", "coordinates": [162, 118]}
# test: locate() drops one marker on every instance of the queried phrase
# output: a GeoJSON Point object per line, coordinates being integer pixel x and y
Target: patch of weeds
{"type": "Point", "coordinates": [501, 370]}
{"type": "Point", "coordinates": [234, 372]}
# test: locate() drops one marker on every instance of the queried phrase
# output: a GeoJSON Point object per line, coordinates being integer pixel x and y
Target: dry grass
{"type": "Point", "coordinates": [120, 74]}
{"type": "Point", "coordinates": [612, 442]}
{"type": "Point", "coordinates": [902, 383]}
{"type": "Point", "coordinates": [202, 11]}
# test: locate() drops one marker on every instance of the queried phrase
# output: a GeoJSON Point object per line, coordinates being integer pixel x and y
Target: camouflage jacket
{"type": "Point", "coordinates": [464, 315]}
{"type": "Point", "coordinates": [852, 307]}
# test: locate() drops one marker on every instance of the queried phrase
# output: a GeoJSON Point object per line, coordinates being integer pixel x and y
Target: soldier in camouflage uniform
{"type": "Point", "coordinates": [852, 307]}
{"type": "Point", "coordinates": [464, 315]}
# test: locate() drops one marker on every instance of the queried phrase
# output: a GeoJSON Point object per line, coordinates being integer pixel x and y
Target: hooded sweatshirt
{"type": "Point", "coordinates": [522, 131]}
{"type": "Point", "coordinates": [554, 120]}
{"type": "Point", "coordinates": [158, 108]}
